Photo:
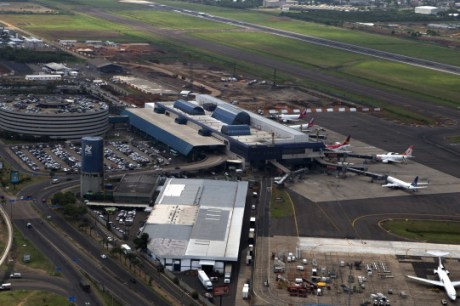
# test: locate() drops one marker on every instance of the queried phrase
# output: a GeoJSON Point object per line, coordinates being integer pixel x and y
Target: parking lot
{"type": "Point", "coordinates": [66, 157]}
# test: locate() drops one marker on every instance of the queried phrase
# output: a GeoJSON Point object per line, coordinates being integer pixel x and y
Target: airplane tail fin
{"type": "Point", "coordinates": [347, 141]}
{"type": "Point", "coordinates": [311, 122]}
{"type": "Point", "coordinates": [408, 152]}
{"type": "Point", "coordinates": [439, 254]}
{"type": "Point", "coordinates": [414, 182]}
{"type": "Point", "coordinates": [303, 114]}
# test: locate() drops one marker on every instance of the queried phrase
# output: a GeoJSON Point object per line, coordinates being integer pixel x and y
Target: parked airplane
{"type": "Point", "coordinates": [303, 127]}
{"type": "Point", "coordinates": [393, 182]}
{"type": "Point", "coordinates": [443, 275]}
{"type": "Point", "coordinates": [339, 147]}
{"type": "Point", "coordinates": [392, 157]}
{"type": "Point", "coordinates": [292, 117]}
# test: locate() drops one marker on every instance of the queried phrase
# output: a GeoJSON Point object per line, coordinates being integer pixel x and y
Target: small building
{"type": "Point", "coordinates": [56, 68]}
{"type": "Point", "coordinates": [43, 77]}
{"type": "Point", "coordinates": [426, 10]}
{"type": "Point", "coordinates": [138, 189]}
{"type": "Point", "coordinates": [32, 43]}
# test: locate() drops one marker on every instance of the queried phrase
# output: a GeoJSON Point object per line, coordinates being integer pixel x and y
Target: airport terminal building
{"type": "Point", "coordinates": [192, 226]}
{"type": "Point", "coordinates": [209, 124]}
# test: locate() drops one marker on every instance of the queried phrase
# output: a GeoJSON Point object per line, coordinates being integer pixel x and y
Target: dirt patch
{"type": "Point", "coordinates": [24, 7]}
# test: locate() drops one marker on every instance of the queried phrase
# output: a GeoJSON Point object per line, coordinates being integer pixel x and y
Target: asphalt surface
{"type": "Point", "coordinates": [82, 253]}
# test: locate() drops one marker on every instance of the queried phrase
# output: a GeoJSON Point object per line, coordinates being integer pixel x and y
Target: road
{"type": "Point", "coordinates": [72, 252]}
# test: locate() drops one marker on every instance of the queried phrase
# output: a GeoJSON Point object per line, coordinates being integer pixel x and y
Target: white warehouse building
{"type": "Point", "coordinates": [197, 223]}
{"type": "Point", "coordinates": [426, 10]}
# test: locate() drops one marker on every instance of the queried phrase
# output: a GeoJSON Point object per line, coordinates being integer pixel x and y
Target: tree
{"type": "Point", "coordinates": [116, 251]}
{"type": "Point", "coordinates": [141, 241]}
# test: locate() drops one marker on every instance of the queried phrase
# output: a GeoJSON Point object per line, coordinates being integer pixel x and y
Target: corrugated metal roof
{"type": "Point", "coordinates": [191, 219]}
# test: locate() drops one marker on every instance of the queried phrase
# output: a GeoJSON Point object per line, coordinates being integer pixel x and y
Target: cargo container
{"type": "Point", "coordinates": [204, 279]}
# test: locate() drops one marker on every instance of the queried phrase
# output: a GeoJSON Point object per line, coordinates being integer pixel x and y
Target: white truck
{"type": "Point", "coordinates": [245, 291]}
{"type": "Point", "coordinates": [227, 273]}
{"type": "Point", "coordinates": [126, 248]}
{"type": "Point", "coordinates": [204, 279]}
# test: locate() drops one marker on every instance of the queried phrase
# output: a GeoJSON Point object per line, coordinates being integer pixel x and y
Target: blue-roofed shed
{"type": "Point", "coordinates": [236, 130]}
{"type": "Point", "coordinates": [188, 107]}
{"type": "Point", "coordinates": [231, 115]}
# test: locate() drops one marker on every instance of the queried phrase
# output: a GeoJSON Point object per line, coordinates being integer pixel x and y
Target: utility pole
{"type": "Point", "coordinates": [274, 78]}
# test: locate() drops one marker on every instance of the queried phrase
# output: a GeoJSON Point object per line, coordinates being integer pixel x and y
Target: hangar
{"type": "Point", "coordinates": [189, 127]}
{"type": "Point", "coordinates": [192, 226]}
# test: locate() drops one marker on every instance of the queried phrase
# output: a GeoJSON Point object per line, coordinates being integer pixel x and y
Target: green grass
{"type": "Point", "coordinates": [172, 20]}
{"type": "Point", "coordinates": [447, 232]}
{"type": "Point", "coordinates": [77, 26]}
{"type": "Point", "coordinates": [413, 81]}
{"type": "Point", "coordinates": [32, 298]}
{"type": "Point", "coordinates": [454, 139]}
{"type": "Point", "coordinates": [280, 204]}
{"type": "Point", "coordinates": [23, 246]}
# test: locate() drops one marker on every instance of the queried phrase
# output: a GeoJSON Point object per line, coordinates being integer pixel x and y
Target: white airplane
{"type": "Point", "coordinates": [292, 117]}
{"type": "Point", "coordinates": [303, 127]}
{"type": "Point", "coordinates": [339, 147]}
{"type": "Point", "coordinates": [392, 157]}
{"type": "Point", "coordinates": [443, 275]}
{"type": "Point", "coordinates": [393, 182]}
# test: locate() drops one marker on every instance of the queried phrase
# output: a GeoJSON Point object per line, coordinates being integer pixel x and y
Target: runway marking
{"type": "Point", "coordinates": [398, 214]}
{"type": "Point", "coordinates": [295, 216]}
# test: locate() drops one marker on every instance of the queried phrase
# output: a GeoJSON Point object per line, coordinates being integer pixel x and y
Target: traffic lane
{"type": "Point", "coordinates": [95, 250]}
{"type": "Point", "coordinates": [59, 260]}
{"type": "Point", "coordinates": [44, 190]}
{"type": "Point", "coordinates": [93, 268]}
{"type": "Point", "coordinates": [42, 285]}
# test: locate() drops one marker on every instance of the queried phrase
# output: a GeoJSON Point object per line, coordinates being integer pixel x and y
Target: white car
{"type": "Point", "coordinates": [103, 256]}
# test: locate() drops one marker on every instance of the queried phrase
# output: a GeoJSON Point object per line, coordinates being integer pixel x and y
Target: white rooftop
{"type": "Point", "coordinates": [192, 219]}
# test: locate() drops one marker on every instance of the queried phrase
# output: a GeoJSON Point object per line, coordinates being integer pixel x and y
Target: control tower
{"type": "Point", "coordinates": [92, 165]}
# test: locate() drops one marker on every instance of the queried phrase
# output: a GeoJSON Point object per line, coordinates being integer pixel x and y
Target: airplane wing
{"type": "Point", "coordinates": [391, 185]}
{"type": "Point", "coordinates": [390, 160]}
{"type": "Point", "coordinates": [456, 283]}
{"type": "Point", "coordinates": [427, 281]}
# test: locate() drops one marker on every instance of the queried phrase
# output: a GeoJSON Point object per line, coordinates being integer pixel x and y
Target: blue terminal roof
{"type": "Point", "coordinates": [162, 127]}
{"type": "Point", "coordinates": [188, 107]}
{"type": "Point", "coordinates": [236, 130]}
{"type": "Point", "coordinates": [231, 115]}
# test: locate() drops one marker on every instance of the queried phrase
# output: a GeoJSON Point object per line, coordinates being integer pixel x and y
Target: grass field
{"type": "Point", "coordinates": [446, 232]}
{"type": "Point", "coordinates": [280, 204]}
{"type": "Point", "coordinates": [22, 246]}
{"type": "Point", "coordinates": [430, 85]}
{"type": "Point", "coordinates": [175, 21]}
{"type": "Point", "coordinates": [77, 26]}
{"type": "Point", "coordinates": [32, 298]}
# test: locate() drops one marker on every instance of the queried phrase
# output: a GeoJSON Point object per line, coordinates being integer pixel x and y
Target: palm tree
{"type": "Point", "coordinates": [116, 250]}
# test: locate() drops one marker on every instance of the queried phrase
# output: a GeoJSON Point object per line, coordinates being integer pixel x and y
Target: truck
{"type": "Point", "coordinates": [227, 273]}
{"type": "Point", "coordinates": [245, 292]}
{"type": "Point", "coordinates": [204, 279]}
{"type": "Point", "coordinates": [84, 284]}
{"type": "Point", "coordinates": [126, 248]}
{"type": "Point", "coordinates": [252, 235]}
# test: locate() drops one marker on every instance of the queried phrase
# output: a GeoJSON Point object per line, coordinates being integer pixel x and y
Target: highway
{"type": "Point", "coordinates": [72, 250]}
